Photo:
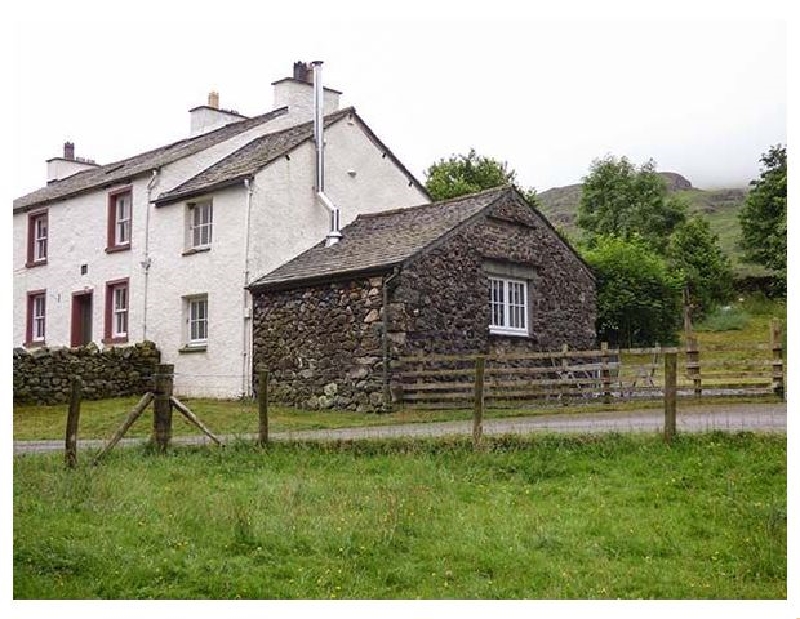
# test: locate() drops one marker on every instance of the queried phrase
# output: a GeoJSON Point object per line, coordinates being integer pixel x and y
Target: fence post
{"type": "Point", "coordinates": [263, 419]}
{"type": "Point", "coordinates": [477, 427]}
{"type": "Point", "coordinates": [605, 374]}
{"type": "Point", "coordinates": [162, 407]}
{"type": "Point", "coordinates": [565, 373]}
{"type": "Point", "coordinates": [670, 393]}
{"type": "Point", "coordinates": [73, 414]}
{"type": "Point", "coordinates": [776, 343]}
{"type": "Point", "coordinates": [693, 363]}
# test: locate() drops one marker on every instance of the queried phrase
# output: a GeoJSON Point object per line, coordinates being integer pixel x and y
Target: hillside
{"type": "Point", "coordinates": [720, 206]}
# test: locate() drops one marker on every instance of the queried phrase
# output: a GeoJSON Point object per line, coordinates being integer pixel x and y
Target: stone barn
{"type": "Point", "coordinates": [482, 273]}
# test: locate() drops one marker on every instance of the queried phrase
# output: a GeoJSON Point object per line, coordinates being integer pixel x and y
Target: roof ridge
{"type": "Point", "coordinates": [466, 196]}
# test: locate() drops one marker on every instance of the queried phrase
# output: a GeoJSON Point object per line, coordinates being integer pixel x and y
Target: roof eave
{"type": "Point", "coordinates": [201, 191]}
{"type": "Point", "coordinates": [313, 280]}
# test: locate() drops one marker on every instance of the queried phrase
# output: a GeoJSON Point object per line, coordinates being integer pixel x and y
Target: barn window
{"type": "Point", "coordinates": [508, 304]}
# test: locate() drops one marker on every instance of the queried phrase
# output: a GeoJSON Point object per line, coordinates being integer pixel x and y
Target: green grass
{"type": "Point", "coordinates": [728, 318]}
{"type": "Point", "coordinates": [550, 517]}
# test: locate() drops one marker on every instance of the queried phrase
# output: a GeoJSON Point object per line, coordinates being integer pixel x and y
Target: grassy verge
{"type": "Point", "coordinates": [551, 517]}
{"type": "Point", "coordinates": [100, 418]}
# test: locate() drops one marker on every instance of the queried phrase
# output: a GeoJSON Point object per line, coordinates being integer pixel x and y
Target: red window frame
{"type": "Point", "coordinates": [32, 295]}
{"type": "Point", "coordinates": [111, 235]}
{"type": "Point", "coordinates": [109, 316]}
{"type": "Point", "coordinates": [32, 218]}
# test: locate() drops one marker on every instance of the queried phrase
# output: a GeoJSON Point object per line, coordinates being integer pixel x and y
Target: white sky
{"type": "Point", "coordinates": [545, 93]}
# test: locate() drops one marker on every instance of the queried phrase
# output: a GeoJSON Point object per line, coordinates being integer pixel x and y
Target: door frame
{"type": "Point", "coordinates": [75, 325]}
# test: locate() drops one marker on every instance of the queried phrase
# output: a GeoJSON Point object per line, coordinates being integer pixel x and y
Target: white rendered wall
{"type": "Point", "coordinates": [77, 234]}
{"type": "Point", "coordinates": [218, 273]}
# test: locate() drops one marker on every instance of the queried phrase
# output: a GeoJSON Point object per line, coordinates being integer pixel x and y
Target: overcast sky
{"type": "Point", "coordinates": [547, 95]}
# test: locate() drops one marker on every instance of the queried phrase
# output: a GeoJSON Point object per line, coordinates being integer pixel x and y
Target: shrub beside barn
{"type": "Point", "coordinates": [477, 274]}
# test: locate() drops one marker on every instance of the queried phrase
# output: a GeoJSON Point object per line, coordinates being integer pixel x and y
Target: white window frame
{"type": "Point", "coordinates": [119, 312]}
{"type": "Point", "coordinates": [197, 229]}
{"type": "Point", "coordinates": [40, 237]}
{"type": "Point", "coordinates": [122, 219]}
{"type": "Point", "coordinates": [194, 338]}
{"type": "Point", "coordinates": [508, 314]}
{"type": "Point", "coordinates": [39, 313]}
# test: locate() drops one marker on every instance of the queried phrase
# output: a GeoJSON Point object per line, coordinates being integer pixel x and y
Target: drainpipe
{"type": "Point", "coordinates": [248, 184]}
{"type": "Point", "coordinates": [333, 235]}
{"type": "Point", "coordinates": [387, 394]}
{"type": "Point", "coordinates": [146, 262]}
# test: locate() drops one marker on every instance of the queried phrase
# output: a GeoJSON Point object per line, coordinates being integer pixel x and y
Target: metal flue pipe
{"type": "Point", "coordinates": [333, 235]}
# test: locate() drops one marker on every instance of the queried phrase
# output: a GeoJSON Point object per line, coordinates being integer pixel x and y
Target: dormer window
{"type": "Point", "coordinates": [120, 205]}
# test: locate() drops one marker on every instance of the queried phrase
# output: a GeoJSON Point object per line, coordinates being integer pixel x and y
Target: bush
{"type": "Point", "coordinates": [728, 318]}
{"type": "Point", "coordinates": [638, 296]}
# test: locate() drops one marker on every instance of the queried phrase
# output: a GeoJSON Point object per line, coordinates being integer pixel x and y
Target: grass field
{"type": "Point", "coordinates": [551, 517]}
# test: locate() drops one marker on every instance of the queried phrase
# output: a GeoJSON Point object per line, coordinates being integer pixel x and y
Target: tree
{"type": "Point", "coordinates": [619, 199]}
{"type": "Point", "coordinates": [638, 295]}
{"type": "Point", "coordinates": [763, 216]}
{"type": "Point", "coordinates": [460, 175]}
{"type": "Point", "coordinates": [695, 251]}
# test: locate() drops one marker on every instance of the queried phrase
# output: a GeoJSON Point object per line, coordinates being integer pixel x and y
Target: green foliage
{"type": "Point", "coordinates": [460, 175]}
{"type": "Point", "coordinates": [695, 250]}
{"type": "Point", "coordinates": [542, 517]}
{"type": "Point", "coordinates": [763, 217]}
{"type": "Point", "coordinates": [619, 199]}
{"type": "Point", "coordinates": [638, 295]}
{"type": "Point", "coordinates": [728, 318]}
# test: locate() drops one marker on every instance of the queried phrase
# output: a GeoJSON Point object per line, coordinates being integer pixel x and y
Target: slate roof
{"type": "Point", "coordinates": [126, 169]}
{"type": "Point", "coordinates": [380, 240]}
{"type": "Point", "coordinates": [262, 151]}
{"type": "Point", "coordinates": [247, 160]}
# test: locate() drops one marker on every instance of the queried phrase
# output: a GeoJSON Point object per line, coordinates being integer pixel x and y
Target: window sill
{"type": "Point", "coordinates": [507, 332]}
{"type": "Point", "coordinates": [117, 248]}
{"type": "Point", "coordinates": [192, 349]}
{"type": "Point", "coordinates": [196, 250]}
{"type": "Point", "coordinates": [37, 344]}
{"type": "Point", "coordinates": [36, 263]}
{"type": "Point", "coordinates": [115, 340]}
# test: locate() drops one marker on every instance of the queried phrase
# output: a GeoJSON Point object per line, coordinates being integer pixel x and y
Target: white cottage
{"type": "Point", "coordinates": [162, 245]}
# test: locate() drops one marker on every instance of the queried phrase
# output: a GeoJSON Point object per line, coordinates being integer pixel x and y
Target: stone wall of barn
{"type": "Point", "coordinates": [441, 303]}
{"type": "Point", "coordinates": [43, 375]}
{"type": "Point", "coordinates": [322, 345]}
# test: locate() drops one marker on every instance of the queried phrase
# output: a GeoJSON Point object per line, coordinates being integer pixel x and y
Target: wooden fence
{"type": "Point", "coordinates": [606, 375]}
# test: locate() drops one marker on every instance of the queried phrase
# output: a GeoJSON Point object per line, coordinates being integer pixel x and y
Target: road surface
{"type": "Point", "coordinates": [726, 417]}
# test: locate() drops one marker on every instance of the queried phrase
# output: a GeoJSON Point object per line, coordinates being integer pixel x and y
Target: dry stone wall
{"type": "Point", "coordinates": [322, 344]}
{"type": "Point", "coordinates": [43, 375]}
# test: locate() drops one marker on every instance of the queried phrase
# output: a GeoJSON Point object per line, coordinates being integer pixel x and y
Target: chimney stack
{"type": "Point", "coordinates": [205, 118]}
{"type": "Point", "coordinates": [297, 93]}
{"type": "Point", "coordinates": [69, 164]}
{"type": "Point", "coordinates": [302, 73]}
